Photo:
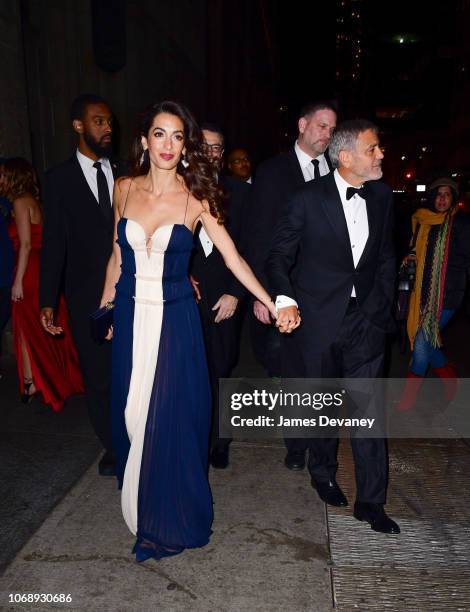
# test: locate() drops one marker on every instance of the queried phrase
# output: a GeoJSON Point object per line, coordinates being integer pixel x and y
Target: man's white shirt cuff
{"type": "Point", "coordinates": [282, 301]}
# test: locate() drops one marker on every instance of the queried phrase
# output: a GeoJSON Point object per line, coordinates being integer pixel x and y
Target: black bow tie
{"type": "Point", "coordinates": [350, 191]}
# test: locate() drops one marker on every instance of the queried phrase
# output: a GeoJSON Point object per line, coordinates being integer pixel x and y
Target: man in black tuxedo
{"type": "Point", "coordinates": [220, 292]}
{"type": "Point", "coordinates": [338, 232]}
{"type": "Point", "coordinates": [277, 179]}
{"type": "Point", "coordinates": [77, 243]}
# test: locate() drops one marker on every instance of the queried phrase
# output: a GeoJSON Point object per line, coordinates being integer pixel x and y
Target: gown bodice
{"type": "Point", "coordinates": [155, 269]}
{"type": "Point", "coordinates": [36, 236]}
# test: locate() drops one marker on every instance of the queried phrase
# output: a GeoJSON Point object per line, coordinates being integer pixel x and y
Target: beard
{"type": "Point", "coordinates": [99, 148]}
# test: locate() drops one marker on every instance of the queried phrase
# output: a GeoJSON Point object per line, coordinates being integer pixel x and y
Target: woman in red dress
{"type": "Point", "coordinates": [47, 365]}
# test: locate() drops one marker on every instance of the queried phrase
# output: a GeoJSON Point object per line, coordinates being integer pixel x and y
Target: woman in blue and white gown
{"type": "Point", "coordinates": [160, 387]}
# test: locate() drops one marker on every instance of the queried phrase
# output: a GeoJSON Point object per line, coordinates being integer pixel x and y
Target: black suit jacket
{"type": "Point", "coordinates": [213, 275]}
{"type": "Point", "coordinates": [313, 229]}
{"type": "Point", "coordinates": [276, 180]}
{"type": "Point", "coordinates": [77, 238]}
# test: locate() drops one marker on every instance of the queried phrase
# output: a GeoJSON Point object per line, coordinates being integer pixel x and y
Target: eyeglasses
{"type": "Point", "coordinates": [214, 148]}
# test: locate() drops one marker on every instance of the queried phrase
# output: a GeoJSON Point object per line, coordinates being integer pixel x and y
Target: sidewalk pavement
{"type": "Point", "coordinates": [269, 549]}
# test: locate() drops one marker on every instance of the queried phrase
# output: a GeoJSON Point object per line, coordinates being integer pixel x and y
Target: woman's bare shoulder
{"type": "Point", "coordinates": [123, 182]}
{"type": "Point", "coordinates": [26, 201]}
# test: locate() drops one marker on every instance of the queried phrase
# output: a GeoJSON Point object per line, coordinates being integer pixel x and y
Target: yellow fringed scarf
{"type": "Point", "coordinates": [426, 218]}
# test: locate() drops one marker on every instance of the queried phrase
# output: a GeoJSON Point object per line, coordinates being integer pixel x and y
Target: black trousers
{"type": "Point", "coordinates": [95, 364]}
{"type": "Point", "coordinates": [221, 341]}
{"type": "Point", "coordinates": [266, 343]}
{"type": "Point", "coordinates": [357, 352]}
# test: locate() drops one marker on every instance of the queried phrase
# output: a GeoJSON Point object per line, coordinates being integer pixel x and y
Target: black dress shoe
{"type": "Point", "coordinates": [219, 458]}
{"type": "Point", "coordinates": [107, 465]}
{"type": "Point", "coordinates": [330, 493]}
{"type": "Point", "coordinates": [295, 460]}
{"type": "Point", "coordinates": [376, 516]}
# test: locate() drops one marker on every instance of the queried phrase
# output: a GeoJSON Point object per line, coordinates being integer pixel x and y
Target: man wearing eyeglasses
{"type": "Point", "coordinates": [213, 144]}
{"type": "Point", "coordinates": [219, 291]}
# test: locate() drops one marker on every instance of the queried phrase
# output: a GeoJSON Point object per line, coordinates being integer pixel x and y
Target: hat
{"type": "Point", "coordinates": [444, 182]}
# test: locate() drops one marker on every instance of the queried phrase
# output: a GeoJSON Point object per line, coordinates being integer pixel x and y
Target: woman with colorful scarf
{"type": "Point", "coordinates": [442, 254]}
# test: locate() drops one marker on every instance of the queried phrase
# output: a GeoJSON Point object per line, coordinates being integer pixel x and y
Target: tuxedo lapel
{"type": "Point", "coordinates": [328, 161]}
{"type": "Point", "coordinates": [297, 173]}
{"type": "Point", "coordinates": [333, 208]}
{"type": "Point", "coordinates": [82, 183]}
{"type": "Point", "coordinates": [373, 220]}
{"type": "Point", "coordinates": [86, 194]}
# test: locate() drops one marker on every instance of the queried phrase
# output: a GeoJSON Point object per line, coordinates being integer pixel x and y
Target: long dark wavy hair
{"type": "Point", "coordinates": [19, 178]}
{"type": "Point", "coordinates": [199, 175]}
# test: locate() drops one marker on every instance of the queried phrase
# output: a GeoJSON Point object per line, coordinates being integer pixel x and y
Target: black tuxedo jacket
{"type": "Point", "coordinates": [77, 239]}
{"type": "Point", "coordinates": [213, 275]}
{"type": "Point", "coordinates": [276, 181]}
{"type": "Point", "coordinates": [313, 229]}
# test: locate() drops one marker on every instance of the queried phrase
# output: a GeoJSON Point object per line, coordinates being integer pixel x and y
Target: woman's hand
{"type": "Point", "coordinates": [272, 310]}
{"type": "Point", "coordinates": [109, 335]}
{"type": "Point", "coordinates": [17, 291]}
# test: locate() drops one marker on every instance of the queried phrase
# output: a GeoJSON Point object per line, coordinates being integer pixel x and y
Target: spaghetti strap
{"type": "Point", "coordinates": [186, 210]}
{"type": "Point", "coordinates": [127, 195]}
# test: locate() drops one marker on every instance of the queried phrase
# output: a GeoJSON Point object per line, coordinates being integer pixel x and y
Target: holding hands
{"type": "Point", "coordinates": [288, 319]}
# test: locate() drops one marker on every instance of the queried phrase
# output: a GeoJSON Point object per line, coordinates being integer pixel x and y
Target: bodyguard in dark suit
{"type": "Point", "coordinates": [338, 230]}
{"type": "Point", "coordinates": [220, 292]}
{"type": "Point", "coordinates": [77, 244]}
{"type": "Point", "coordinates": [276, 181]}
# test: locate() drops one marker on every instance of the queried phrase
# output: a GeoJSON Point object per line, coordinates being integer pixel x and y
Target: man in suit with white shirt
{"type": "Point", "coordinates": [77, 244]}
{"type": "Point", "coordinates": [276, 180]}
{"type": "Point", "coordinates": [220, 292]}
{"type": "Point", "coordinates": [338, 230]}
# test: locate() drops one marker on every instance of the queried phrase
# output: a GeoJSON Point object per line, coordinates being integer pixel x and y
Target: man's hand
{"type": "Point", "coordinates": [288, 319]}
{"type": "Point", "coordinates": [195, 283]}
{"type": "Point", "coordinates": [226, 306]}
{"type": "Point", "coordinates": [261, 312]}
{"type": "Point", "coordinates": [47, 321]}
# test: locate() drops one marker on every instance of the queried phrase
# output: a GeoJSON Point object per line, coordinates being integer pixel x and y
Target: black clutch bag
{"type": "Point", "coordinates": [101, 320]}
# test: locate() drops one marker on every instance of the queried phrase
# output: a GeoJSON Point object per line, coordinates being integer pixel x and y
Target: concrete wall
{"type": "Point", "coordinates": [165, 58]}
{"type": "Point", "coordinates": [14, 123]}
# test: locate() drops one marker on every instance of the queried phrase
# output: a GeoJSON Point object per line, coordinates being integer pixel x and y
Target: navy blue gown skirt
{"type": "Point", "coordinates": [161, 406]}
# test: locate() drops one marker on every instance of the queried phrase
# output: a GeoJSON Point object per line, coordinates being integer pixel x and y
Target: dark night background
{"type": "Point", "coordinates": [248, 65]}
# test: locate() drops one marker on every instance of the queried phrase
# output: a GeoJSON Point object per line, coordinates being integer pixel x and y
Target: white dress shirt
{"type": "Point", "coordinates": [355, 212]}
{"type": "Point", "coordinates": [86, 165]}
{"type": "Point", "coordinates": [306, 165]}
{"type": "Point", "coordinates": [206, 242]}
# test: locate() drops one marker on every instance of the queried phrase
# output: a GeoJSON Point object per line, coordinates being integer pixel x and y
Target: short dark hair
{"type": "Point", "coordinates": [316, 105]}
{"type": "Point", "coordinates": [345, 137]}
{"type": "Point", "coordinates": [79, 105]}
{"type": "Point", "coordinates": [212, 127]}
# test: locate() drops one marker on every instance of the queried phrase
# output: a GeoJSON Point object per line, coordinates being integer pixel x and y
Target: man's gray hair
{"type": "Point", "coordinates": [345, 137]}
